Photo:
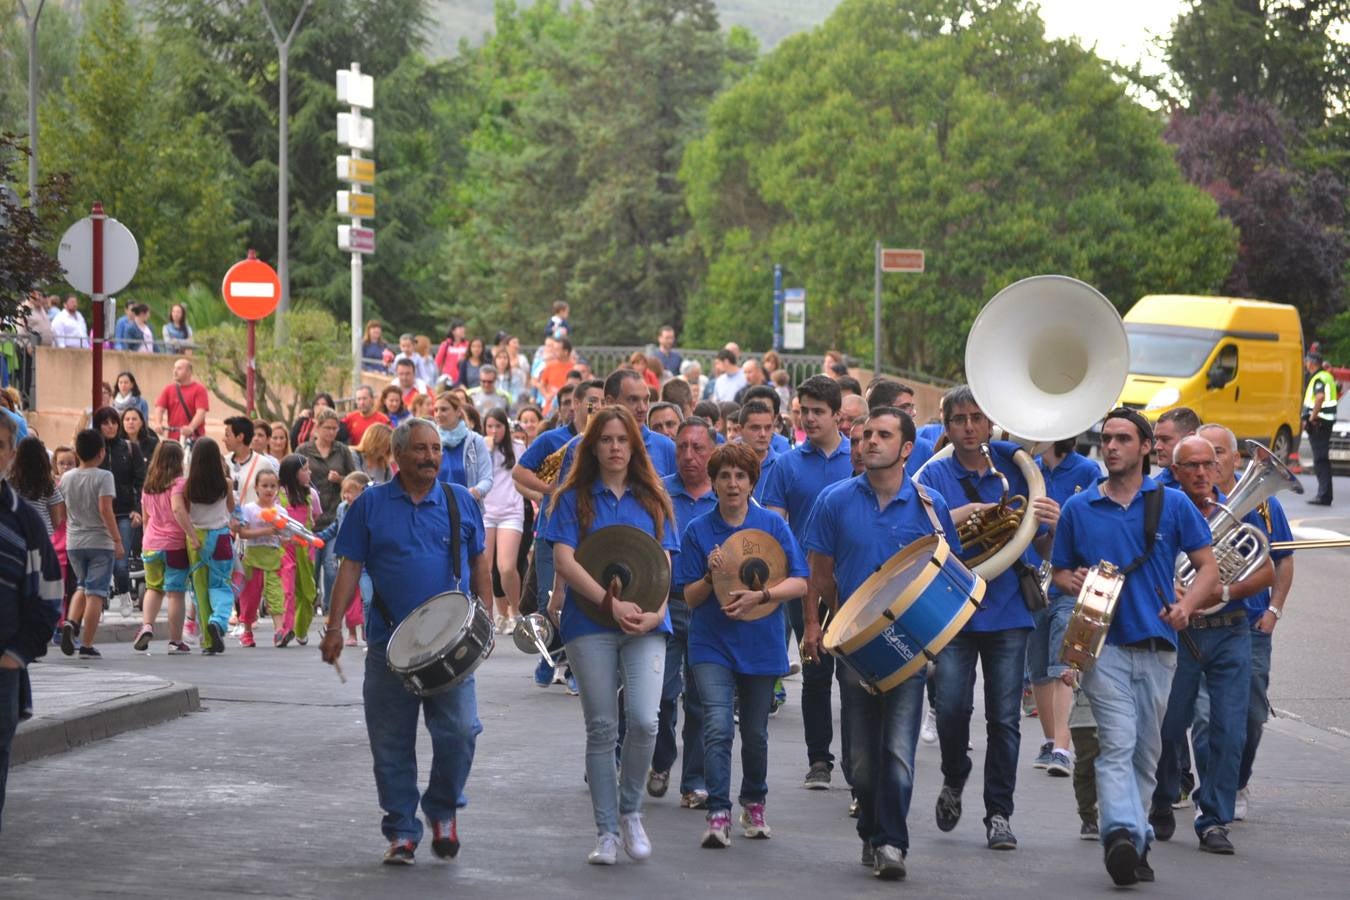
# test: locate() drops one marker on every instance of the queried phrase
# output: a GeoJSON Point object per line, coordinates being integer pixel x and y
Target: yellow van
{"type": "Point", "coordinates": [1235, 362]}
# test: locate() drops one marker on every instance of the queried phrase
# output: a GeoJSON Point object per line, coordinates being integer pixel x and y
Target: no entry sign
{"type": "Point", "coordinates": [251, 288]}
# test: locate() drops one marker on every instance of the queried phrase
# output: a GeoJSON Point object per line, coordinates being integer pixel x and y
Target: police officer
{"type": "Point", "coordinates": [1319, 412]}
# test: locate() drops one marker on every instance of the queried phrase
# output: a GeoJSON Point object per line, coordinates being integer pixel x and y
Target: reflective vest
{"type": "Point", "coordinates": [1328, 411]}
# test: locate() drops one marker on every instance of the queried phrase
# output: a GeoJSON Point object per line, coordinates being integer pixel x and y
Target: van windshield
{"type": "Point", "coordinates": [1168, 351]}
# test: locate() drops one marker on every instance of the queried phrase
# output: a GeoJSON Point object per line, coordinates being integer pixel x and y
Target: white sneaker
{"type": "Point", "coordinates": [123, 604]}
{"type": "Point", "coordinates": [606, 852]}
{"type": "Point", "coordinates": [635, 842]}
{"type": "Point", "coordinates": [1240, 805]}
{"type": "Point", "coordinates": [928, 733]}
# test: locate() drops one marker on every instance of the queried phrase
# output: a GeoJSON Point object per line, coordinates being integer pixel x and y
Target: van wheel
{"type": "Point", "coordinates": [1282, 444]}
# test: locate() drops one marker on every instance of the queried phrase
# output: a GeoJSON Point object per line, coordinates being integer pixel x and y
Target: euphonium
{"type": "Point", "coordinates": [548, 469]}
{"type": "Point", "coordinates": [990, 529]}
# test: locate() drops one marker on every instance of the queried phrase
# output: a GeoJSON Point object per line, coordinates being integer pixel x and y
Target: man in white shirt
{"type": "Point", "coordinates": [730, 378]}
{"type": "Point", "coordinates": [245, 463]}
{"type": "Point", "coordinates": [68, 325]}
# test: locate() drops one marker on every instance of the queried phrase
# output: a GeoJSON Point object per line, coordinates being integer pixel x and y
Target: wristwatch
{"type": "Point", "coordinates": [1278, 614]}
{"type": "Point", "coordinates": [1225, 594]}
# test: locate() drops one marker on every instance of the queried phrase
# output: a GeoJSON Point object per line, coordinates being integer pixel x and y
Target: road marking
{"type": "Point", "coordinates": [1304, 533]}
{"type": "Point", "coordinates": [263, 289]}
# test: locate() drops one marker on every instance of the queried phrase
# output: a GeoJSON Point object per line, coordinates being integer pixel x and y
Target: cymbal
{"type": "Point", "coordinates": [754, 560]}
{"type": "Point", "coordinates": [636, 558]}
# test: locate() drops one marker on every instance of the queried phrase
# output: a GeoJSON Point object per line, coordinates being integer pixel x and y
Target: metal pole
{"type": "Point", "coordinates": [283, 197]}
{"type": "Point", "coordinates": [777, 307]}
{"type": "Point", "coordinates": [876, 309]}
{"type": "Point", "coordinates": [252, 367]}
{"type": "Point", "coordinates": [357, 298]}
{"type": "Point", "coordinates": [96, 333]}
{"type": "Point", "coordinates": [32, 23]}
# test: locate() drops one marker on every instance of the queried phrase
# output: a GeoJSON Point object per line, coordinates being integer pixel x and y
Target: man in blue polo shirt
{"type": "Point", "coordinates": [791, 488]}
{"type": "Point", "coordinates": [1224, 665]}
{"type": "Point", "coordinates": [889, 392]}
{"type": "Point", "coordinates": [1173, 425]}
{"type": "Point", "coordinates": [766, 393]}
{"type": "Point", "coordinates": [756, 433]}
{"type": "Point", "coordinates": [996, 635]}
{"type": "Point", "coordinates": [855, 526]}
{"type": "Point", "coordinates": [1128, 684]}
{"type": "Point", "coordinates": [625, 387]}
{"type": "Point", "coordinates": [691, 493]}
{"type": "Point", "coordinates": [400, 532]}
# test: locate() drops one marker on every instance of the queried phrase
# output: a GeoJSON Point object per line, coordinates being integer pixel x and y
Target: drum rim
{"type": "Point", "coordinates": [415, 667]}
{"type": "Point", "coordinates": [941, 553]}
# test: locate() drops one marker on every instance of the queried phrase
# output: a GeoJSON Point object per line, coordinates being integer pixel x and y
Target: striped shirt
{"type": "Point", "coordinates": [30, 580]}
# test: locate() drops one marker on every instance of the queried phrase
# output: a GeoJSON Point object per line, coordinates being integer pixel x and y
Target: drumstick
{"type": "Point", "coordinates": [1183, 635]}
{"type": "Point", "coordinates": [337, 667]}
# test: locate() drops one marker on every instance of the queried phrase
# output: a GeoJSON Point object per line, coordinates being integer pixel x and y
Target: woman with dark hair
{"type": "Point", "coordinates": [451, 351]}
{"type": "Point", "coordinates": [128, 395]}
{"type": "Point", "coordinates": [475, 357]}
{"type": "Point", "coordinates": [504, 518]}
{"type": "Point", "coordinates": [33, 479]}
{"type": "Point", "coordinates": [373, 348]}
{"type": "Point", "coordinates": [127, 465]}
{"type": "Point", "coordinates": [303, 430]}
{"type": "Point", "coordinates": [612, 482]}
{"type": "Point", "coordinates": [177, 332]}
{"type": "Point", "coordinates": [139, 433]}
{"type": "Point", "coordinates": [210, 505]}
{"type": "Point", "coordinates": [531, 419]}
{"type": "Point", "coordinates": [391, 404]}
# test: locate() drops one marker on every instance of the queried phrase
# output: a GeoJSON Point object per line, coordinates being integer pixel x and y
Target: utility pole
{"type": "Point", "coordinates": [31, 21]}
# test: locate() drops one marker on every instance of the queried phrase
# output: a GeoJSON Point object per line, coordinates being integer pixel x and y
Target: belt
{"type": "Point", "coordinates": [1153, 643]}
{"type": "Point", "coordinates": [1221, 620]}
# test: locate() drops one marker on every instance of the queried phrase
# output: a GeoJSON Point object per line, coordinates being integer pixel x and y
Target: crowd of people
{"type": "Point", "coordinates": [53, 321]}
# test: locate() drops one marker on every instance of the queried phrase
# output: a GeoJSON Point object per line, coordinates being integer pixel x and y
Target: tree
{"type": "Point", "coordinates": [25, 264]}
{"type": "Point", "coordinates": [951, 125]}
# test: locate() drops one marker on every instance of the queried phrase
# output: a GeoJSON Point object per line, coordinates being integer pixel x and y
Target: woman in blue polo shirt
{"type": "Point", "coordinates": [612, 483]}
{"type": "Point", "coordinates": [733, 656]}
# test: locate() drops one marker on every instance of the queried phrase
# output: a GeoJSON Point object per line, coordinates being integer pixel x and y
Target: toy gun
{"type": "Point", "coordinates": [277, 518]}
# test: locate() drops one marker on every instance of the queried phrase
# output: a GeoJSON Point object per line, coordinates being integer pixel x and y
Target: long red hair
{"type": "Point", "coordinates": [641, 479]}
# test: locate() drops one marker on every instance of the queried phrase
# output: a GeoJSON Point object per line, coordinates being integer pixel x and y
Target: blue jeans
{"type": "Point", "coordinates": [719, 686]}
{"type": "Point", "coordinates": [391, 723]}
{"type": "Point", "coordinates": [1128, 691]}
{"type": "Point", "coordinates": [9, 721]}
{"type": "Point", "coordinates": [130, 541]}
{"type": "Point", "coordinates": [1258, 705]}
{"type": "Point", "coordinates": [883, 730]}
{"type": "Point", "coordinates": [1003, 656]}
{"type": "Point", "coordinates": [325, 573]}
{"type": "Point", "coordinates": [1226, 669]}
{"type": "Point", "coordinates": [677, 657]}
{"type": "Point", "coordinates": [543, 570]}
{"type": "Point", "coordinates": [817, 686]}
{"type": "Point", "coordinates": [600, 662]}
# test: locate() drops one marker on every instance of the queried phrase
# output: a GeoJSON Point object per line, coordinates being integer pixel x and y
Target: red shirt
{"type": "Point", "coordinates": [357, 423]}
{"type": "Point", "coordinates": [181, 411]}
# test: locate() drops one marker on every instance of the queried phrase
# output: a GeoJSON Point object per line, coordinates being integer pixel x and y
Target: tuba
{"type": "Point", "coordinates": [1241, 549]}
{"type": "Point", "coordinates": [1045, 359]}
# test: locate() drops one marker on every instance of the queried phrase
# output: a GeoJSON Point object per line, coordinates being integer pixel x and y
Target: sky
{"type": "Point", "coordinates": [1121, 30]}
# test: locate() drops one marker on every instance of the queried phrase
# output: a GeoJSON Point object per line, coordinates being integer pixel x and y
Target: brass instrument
{"type": "Point", "coordinates": [549, 469]}
{"type": "Point", "coordinates": [988, 530]}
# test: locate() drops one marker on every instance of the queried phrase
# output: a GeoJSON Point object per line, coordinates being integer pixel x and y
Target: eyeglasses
{"type": "Point", "coordinates": [961, 420]}
{"type": "Point", "coordinates": [906, 408]}
{"type": "Point", "coordinates": [1197, 466]}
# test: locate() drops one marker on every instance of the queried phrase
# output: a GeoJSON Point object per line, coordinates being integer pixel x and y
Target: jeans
{"type": "Point", "coordinates": [391, 723]}
{"type": "Point", "coordinates": [9, 722]}
{"type": "Point", "coordinates": [883, 730]}
{"type": "Point", "coordinates": [1227, 671]}
{"type": "Point", "coordinates": [720, 686]}
{"type": "Point", "coordinates": [543, 570]}
{"type": "Point", "coordinates": [326, 566]}
{"type": "Point", "coordinates": [817, 716]}
{"type": "Point", "coordinates": [1258, 705]}
{"type": "Point", "coordinates": [1128, 691]}
{"type": "Point", "coordinates": [600, 662]}
{"type": "Point", "coordinates": [131, 541]}
{"type": "Point", "coordinates": [1003, 655]}
{"type": "Point", "coordinates": [677, 656]}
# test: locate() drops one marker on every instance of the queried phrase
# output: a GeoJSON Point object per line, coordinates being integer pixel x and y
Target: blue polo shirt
{"type": "Point", "coordinates": [931, 432]}
{"type": "Point", "coordinates": [661, 450]}
{"type": "Point", "coordinates": [778, 443]}
{"type": "Point", "coordinates": [848, 525]}
{"type": "Point", "coordinates": [765, 468]}
{"type": "Point", "coordinates": [922, 452]}
{"type": "Point", "coordinates": [1278, 531]}
{"type": "Point", "coordinates": [544, 446]}
{"type": "Point", "coordinates": [757, 647]}
{"type": "Point", "coordinates": [798, 477]}
{"type": "Point", "coordinates": [564, 528]}
{"type": "Point", "coordinates": [1003, 605]}
{"type": "Point", "coordinates": [1166, 478]}
{"type": "Point", "coordinates": [687, 506]}
{"type": "Point", "coordinates": [1093, 527]}
{"type": "Point", "coordinates": [405, 547]}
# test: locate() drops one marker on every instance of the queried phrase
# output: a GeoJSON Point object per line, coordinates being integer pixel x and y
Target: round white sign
{"type": "Point", "coordinates": [120, 255]}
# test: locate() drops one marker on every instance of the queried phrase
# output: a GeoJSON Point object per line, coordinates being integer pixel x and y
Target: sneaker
{"type": "Point", "coordinates": [178, 648]}
{"type": "Point", "coordinates": [400, 853]}
{"type": "Point", "coordinates": [499, 624]}
{"type": "Point", "coordinates": [559, 675]}
{"type": "Point", "coordinates": [1214, 839]}
{"type": "Point", "coordinates": [123, 604]}
{"type": "Point", "coordinates": [606, 852]}
{"type": "Point", "coordinates": [888, 863]}
{"type": "Point", "coordinates": [570, 682]}
{"type": "Point", "coordinates": [695, 799]}
{"type": "Point", "coordinates": [68, 639]}
{"type": "Point", "coordinates": [1143, 871]}
{"type": "Point", "coordinates": [817, 777]}
{"type": "Point", "coordinates": [1244, 797]}
{"type": "Point", "coordinates": [302, 640]}
{"type": "Point", "coordinates": [235, 630]}
{"type": "Point", "coordinates": [1164, 823]}
{"type": "Point", "coordinates": [1088, 832]}
{"type": "Point", "coordinates": [1061, 764]}
{"type": "Point", "coordinates": [928, 733]}
{"type": "Point", "coordinates": [90, 653]}
{"type": "Point", "coordinates": [350, 642]}
{"type": "Point", "coordinates": [1122, 858]}
{"type": "Point", "coordinates": [868, 855]}
{"type": "Point", "coordinates": [853, 808]}
{"type": "Point", "coordinates": [445, 839]}
{"type": "Point", "coordinates": [635, 841]}
{"type": "Point", "coordinates": [718, 833]}
{"type": "Point", "coordinates": [216, 638]}
{"type": "Point", "coordinates": [543, 674]}
{"type": "Point", "coordinates": [658, 783]}
{"type": "Point", "coordinates": [190, 628]}
{"type": "Point", "coordinates": [752, 821]}
{"type": "Point", "coordinates": [1045, 756]}
{"type": "Point", "coordinates": [948, 808]}
{"type": "Point", "coordinates": [1183, 801]}
{"type": "Point", "coordinates": [246, 640]}
{"type": "Point", "coordinates": [1028, 703]}
{"type": "Point", "coordinates": [999, 833]}
{"type": "Point", "coordinates": [283, 638]}
{"type": "Point", "coordinates": [143, 638]}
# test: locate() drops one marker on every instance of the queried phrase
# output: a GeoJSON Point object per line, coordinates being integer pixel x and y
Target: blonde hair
{"type": "Point", "coordinates": [377, 444]}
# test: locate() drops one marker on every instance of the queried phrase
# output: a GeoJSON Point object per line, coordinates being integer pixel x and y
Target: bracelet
{"type": "Point", "coordinates": [329, 629]}
{"type": "Point", "coordinates": [764, 596]}
{"type": "Point", "coordinates": [1275, 612]}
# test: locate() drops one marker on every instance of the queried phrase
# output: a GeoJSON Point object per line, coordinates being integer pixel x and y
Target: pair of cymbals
{"type": "Point", "coordinates": [752, 560]}
{"type": "Point", "coordinates": [632, 556]}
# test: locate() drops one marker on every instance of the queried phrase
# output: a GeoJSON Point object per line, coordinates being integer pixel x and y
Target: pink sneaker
{"type": "Point", "coordinates": [190, 628]}
{"type": "Point", "coordinates": [752, 821]}
{"type": "Point", "coordinates": [246, 639]}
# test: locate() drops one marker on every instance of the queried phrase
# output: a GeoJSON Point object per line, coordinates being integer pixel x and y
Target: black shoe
{"type": "Point", "coordinates": [217, 639]}
{"type": "Point", "coordinates": [1122, 859]}
{"type": "Point", "coordinates": [1143, 871]}
{"type": "Point", "coordinates": [1164, 822]}
{"type": "Point", "coordinates": [948, 808]}
{"type": "Point", "coordinates": [1318, 501]}
{"type": "Point", "coordinates": [90, 653]}
{"type": "Point", "coordinates": [400, 853]}
{"type": "Point", "coordinates": [1215, 840]}
{"type": "Point", "coordinates": [817, 777]}
{"type": "Point", "coordinates": [68, 639]}
{"type": "Point", "coordinates": [445, 839]}
{"type": "Point", "coordinates": [999, 833]}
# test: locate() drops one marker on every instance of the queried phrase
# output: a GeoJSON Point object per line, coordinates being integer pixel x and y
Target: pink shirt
{"type": "Point", "coordinates": [162, 531]}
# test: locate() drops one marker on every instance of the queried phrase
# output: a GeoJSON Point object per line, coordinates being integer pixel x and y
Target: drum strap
{"type": "Point", "coordinates": [1153, 502]}
{"type": "Point", "coordinates": [928, 508]}
{"type": "Point", "coordinates": [452, 508]}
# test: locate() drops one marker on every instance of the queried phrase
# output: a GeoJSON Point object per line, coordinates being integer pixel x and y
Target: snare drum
{"type": "Point", "coordinates": [440, 643]}
{"type": "Point", "coordinates": [900, 617]}
{"type": "Point", "coordinates": [1092, 615]}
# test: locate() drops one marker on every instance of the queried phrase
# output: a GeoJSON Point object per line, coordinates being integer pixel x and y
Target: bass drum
{"type": "Point", "coordinates": [440, 643]}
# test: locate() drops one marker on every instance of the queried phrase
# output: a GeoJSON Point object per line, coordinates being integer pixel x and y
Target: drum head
{"type": "Point", "coordinates": [429, 631]}
{"type": "Point", "coordinates": [890, 588]}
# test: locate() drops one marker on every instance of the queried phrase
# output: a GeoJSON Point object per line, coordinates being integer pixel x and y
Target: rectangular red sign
{"type": "Point", "coordinates": [902, 260]}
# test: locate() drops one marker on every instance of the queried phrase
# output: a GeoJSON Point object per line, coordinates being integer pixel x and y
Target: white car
{"type": "Point", "coordinates": [1340, 444]}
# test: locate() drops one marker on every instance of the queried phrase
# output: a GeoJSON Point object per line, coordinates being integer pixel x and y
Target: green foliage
{"type": "Point", "coordinates": [951, 125]}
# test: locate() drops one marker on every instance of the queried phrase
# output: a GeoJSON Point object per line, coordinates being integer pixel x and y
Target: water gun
{"type": "Point", "coordinates": [277, 518]}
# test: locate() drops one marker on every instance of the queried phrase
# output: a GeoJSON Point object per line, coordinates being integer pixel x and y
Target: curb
{"type": "Point", "coordinates": [37, 738]}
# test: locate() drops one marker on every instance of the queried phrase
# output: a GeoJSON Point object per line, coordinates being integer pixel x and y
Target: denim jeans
{"type": "Point", "coordinates": [1226, 669]}
{"type": "Point", "coordinates": [600, 662]}
{"type": "Point", "coordinates": [325, 574]}
{"type": "Point", "coordinates": [391, 723]}
{"type": "Point", "coordinates": [9, 721]}
{"type": "Point", "coordinates": [883, 730]}
{"type": "Point", "coordinates": [121, 569]}
{"type": "Point", "coordinates": [1003, 658]}
{"type": "Point", "coordinates": [1128, 691]}
{"type": "Point", "coordinates": [677, 659]}
{"type": "Point", "coordinates": [1258, 705]}
{"type": "Point", "coordinates": [719, 686]}
{"type": "Point", "coordinates": [543, 570]}
{"type": "Point", "coordinates": [817, 716]}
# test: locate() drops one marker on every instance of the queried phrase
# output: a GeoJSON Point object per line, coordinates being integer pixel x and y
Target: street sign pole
{"type": "Point", "coordinates": [358, 91]}
{"type": "Point", "coordinates": [876, 310]}
{"type": "Point", "coordinates": [251, 289]}
{"type": "Point", "coordinates": [357, 275]}
{"type": "Point", "coordinates": [778, 307]}
{"type": "Point", "coordinates": [96, 334]}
